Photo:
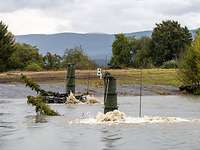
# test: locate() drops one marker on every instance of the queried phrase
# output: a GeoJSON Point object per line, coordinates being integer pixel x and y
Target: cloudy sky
{"type": "Point", "coordinates": [108, 16]}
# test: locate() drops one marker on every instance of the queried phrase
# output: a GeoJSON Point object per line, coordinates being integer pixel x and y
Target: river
{"type": "Point", "coordinates": [21, 129]}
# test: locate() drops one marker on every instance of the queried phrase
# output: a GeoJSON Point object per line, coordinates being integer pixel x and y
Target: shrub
{"type": "Point", "coordinates": [79, 58]}
{"type": "Point", "coordinates": [24, 55]}
{"type": "Point", "coordinates": [196, 91]}
{"type": "Point", "coordinates": [189, 67]}
{"type": "Point", "coordinates": [169, 64]}
{"type": "Point", "coordinates": [33, 67]}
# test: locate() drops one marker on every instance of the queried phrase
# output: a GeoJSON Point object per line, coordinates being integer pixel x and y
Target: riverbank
{"type": "Point", "coordinates": [124, 76]}
{"type": "Point", "coordinates": [155, 81]}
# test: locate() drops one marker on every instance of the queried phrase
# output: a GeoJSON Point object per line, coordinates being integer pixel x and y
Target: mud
{"type": "Point", "coordinates": [134, 90]}
{"type": "Point", "coordinates": [18, 90]}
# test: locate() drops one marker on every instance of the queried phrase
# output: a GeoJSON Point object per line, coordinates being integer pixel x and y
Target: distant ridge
{"type": "Point", "coordinates": [97, 46]}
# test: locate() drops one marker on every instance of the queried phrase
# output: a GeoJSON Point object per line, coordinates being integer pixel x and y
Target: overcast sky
{"type": "Point", "coordinates": [107, 16]}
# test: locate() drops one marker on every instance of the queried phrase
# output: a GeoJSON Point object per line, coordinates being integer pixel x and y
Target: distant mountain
{"type": "Point", "coordinates": [98, 46]}
{"type": "Point", "coordinates": [140, 34]}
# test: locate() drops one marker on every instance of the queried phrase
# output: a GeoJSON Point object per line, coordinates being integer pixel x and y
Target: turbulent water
{"type": "Point", "coordinates": [168, 122]}
{"type": "Point", "coordinates": [71, 99]}
{"type": "Point", "coordinates": [117, 117]}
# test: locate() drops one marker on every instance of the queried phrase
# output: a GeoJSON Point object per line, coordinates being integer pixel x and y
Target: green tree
{"type": "Point", "coordinates": [24, 55]}
{"type": "Point", "coordinates": [189, 67]}
{"type": "Point", "coordinates": [169, 41]}
{"type": "Point", "coordinates": [7, 47]}
{"type": "Point", "coordinates": [143, 53]}
{"type": "Point", "coordinates": [131, 52]}
{"type": "Point", "coordinates": [32, 66]}
{"type": "Point", "coordinates": [121, 51]}
{"type": "Point", "coordinates": [52, 61]}
{"type": "Point", "coordinates": [79, 58]}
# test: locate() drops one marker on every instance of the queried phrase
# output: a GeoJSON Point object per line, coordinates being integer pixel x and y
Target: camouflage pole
{"type": "Point", "coordinates": [110, 95]}
{"type": "Point", "coordinates": [70, 85]}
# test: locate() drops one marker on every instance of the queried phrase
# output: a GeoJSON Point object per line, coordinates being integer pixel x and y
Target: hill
{"type": "Point", "coordinates": [98, 46]}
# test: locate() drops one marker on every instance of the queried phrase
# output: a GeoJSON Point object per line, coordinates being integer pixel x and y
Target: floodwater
{"type": "Point", "coordinates": [76, 129]}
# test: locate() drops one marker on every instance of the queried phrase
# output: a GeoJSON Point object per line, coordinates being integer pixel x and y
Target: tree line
{"type": "Point", "coordinates": [168, 42]}
{"type": "Point", "coordinates": [22, 56]}
{"type": "Point", "coordinates": [169, 46]}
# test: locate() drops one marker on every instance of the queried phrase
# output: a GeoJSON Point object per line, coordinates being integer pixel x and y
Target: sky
{"type": "Point", "coordinates": [95, 16]}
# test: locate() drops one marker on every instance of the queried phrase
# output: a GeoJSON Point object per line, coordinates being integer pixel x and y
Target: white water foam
{"type": "Point", "coordinates": [71, 99]}
{"type": "Point", "coordinates": [117, 117]}
{"type": "Point", "coordinates": [90, 99]}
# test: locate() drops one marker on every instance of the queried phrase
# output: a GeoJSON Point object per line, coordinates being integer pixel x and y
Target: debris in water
{"type": "Point", "coordinates": [112, 116]}
{"type": "Point", "coordinates": [51, 97]}
{"type": "Point", "coordinates": [71, 99]}
{"type": "Point", "coordinates": [91, 100]}
{"type": "Point", "coordinates": [40, 106]}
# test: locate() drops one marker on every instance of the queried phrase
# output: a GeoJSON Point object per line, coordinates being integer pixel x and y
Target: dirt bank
{"type": "Point", "coordinates": [155, 81]}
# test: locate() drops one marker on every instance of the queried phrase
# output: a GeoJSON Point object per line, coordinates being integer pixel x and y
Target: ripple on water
{"type": "Point", "coordinates": [4, 101]}
{"type": "Point", "coordinates": [3, 114]}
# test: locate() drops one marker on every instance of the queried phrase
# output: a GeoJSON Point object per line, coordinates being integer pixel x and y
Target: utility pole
{"type": "Point", "coordinates": [140, 105]}
{"type": "Point", "coordinates": [88, 79]}
{"type": "Point", "coordinates": [106, 62]}
{"type": "Point", "coordinates": [140, 102]}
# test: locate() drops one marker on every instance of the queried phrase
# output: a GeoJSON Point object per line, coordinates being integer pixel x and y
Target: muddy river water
{"type": "Point", "coordinates": [76, 129]}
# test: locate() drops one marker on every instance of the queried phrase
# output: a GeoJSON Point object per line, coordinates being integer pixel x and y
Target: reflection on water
{"type": "Point", "coordinates": [111, 138]}
{"type": "Point", "coordinates": [21, 128]}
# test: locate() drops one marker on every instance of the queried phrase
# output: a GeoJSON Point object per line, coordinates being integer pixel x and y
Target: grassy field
{"type": "Point", "coordinates": [124, 76]}
{"type": "Point", "coordinates": [150, 76]}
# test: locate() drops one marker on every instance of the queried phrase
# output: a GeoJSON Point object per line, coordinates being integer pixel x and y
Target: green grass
{"type": "Point", "coordinates": [123, 76]}
{"type": "Point", "coordinates": [132, 76]}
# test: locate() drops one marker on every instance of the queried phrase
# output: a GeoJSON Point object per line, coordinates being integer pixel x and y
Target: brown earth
{"type": "Point", "coordinates": [155, 81]}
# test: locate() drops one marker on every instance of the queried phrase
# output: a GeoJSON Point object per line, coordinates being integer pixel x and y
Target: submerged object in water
{"type": "Point", "coordinates": [40, 106]}
{"type": "Point", "coordinates": [50, 97]}
{"type": "Point", "coordinates": [71, 99]}
{"type": "Point", "coordinates": [110, 94]}
{"type": "Point", "coordinates": [70, 78]}
{"type": "Point", "coordinates": [91, 100]}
